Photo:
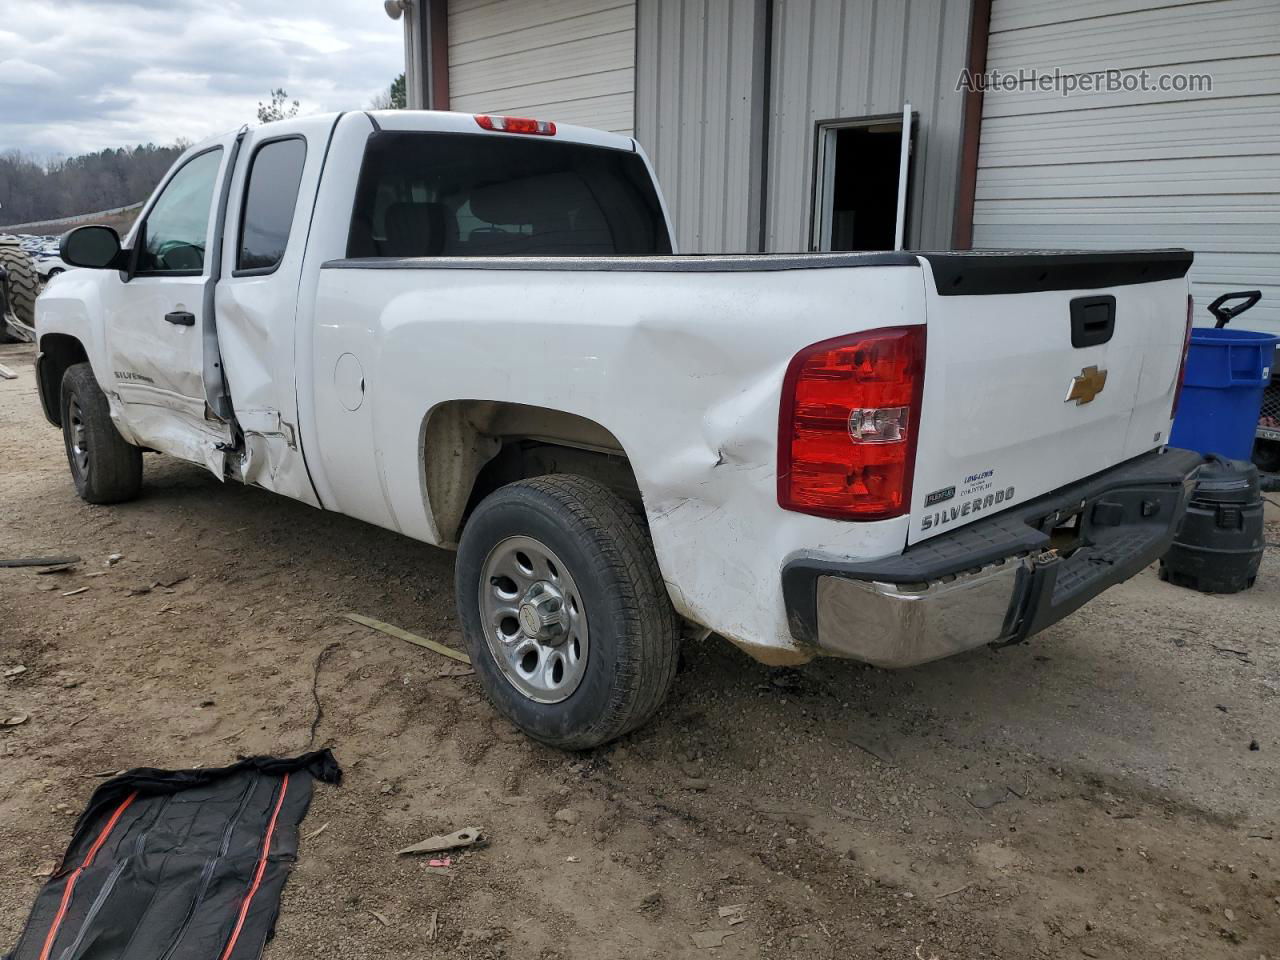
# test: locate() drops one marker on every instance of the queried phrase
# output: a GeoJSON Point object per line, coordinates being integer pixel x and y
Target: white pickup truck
{"type": "Point", "coordinates": [474, 331]}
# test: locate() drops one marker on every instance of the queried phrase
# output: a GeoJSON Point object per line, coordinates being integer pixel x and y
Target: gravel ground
{"type": "Point", "coordinates": [1091, 793]}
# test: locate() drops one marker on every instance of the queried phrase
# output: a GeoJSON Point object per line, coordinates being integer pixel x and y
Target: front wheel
{"type": "Point", "coordinates": [105, 467]}
{"type": "Point", "coordinates": [564, 612]}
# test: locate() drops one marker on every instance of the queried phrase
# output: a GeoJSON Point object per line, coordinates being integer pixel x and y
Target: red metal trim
{"type": "Point", "coordinates": [971, 127]}
{"type": "Point", "coordinates": [438, 53]}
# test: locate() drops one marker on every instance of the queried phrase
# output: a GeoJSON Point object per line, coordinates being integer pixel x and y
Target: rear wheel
{"type": "Point", "coordinates": [105, 467]}
{"type": "Point", "coordinates": [564, 612]}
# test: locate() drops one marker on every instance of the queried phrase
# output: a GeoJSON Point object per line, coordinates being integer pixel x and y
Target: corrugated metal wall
{"type": "Point", "coordinates": [835, 59]}
{"type": "Point", "coordinates": [1130, 169]}
{"type": "Point", "coordinates": [700, 87]}
{"type": "Point", "coordinates": [566, 60]}
{"type": "Point", "coordinates": [699, 69]}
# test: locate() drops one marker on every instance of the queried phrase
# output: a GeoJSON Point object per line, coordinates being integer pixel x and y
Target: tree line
{"type": "Point", "coordinates": [35, 190]}
{"type": "Point", "coordinates": [32, 189]}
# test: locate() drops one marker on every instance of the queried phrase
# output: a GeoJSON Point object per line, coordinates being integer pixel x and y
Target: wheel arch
{"type": "Point", "coordinates": [58, 351]}
{"type": "Point", "coordinates": [468, 448]}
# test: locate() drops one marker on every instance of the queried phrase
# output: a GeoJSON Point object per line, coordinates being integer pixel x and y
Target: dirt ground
{"type": "Point", "coordinates": [1091, 793]}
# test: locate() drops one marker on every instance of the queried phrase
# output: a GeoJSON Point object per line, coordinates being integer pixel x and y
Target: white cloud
{"type": "Point", "coordinates": [22, 73]}
{"type": "Point", "coordinates": [78, 76]}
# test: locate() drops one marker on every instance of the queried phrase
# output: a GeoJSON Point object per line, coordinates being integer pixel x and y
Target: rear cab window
{"type": "Point", "coordinates": [480, 195]}
{"type": "Point", "coordinates": [270, 196]}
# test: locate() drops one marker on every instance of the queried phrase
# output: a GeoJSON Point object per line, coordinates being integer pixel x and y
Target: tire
{"type": "Point", "coordinates": [1266, 454]}
{"type": "Point", "coordinates": [597, 558]}
{"type": "Point", "coordinates": [105, 467]}
{"type": "Point", "coordinates": [24, 284]}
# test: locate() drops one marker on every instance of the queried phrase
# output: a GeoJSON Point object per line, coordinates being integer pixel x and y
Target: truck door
{"type": "Point", "coordinates": [273, 191]}
{"type": "Point", "coordinates": [157, 324]}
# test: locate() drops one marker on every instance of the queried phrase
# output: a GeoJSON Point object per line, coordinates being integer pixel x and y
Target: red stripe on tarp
{"type": "Point", "coordinates": [257, 875]}
{"type": "Point", "coordinates": [75, 874]}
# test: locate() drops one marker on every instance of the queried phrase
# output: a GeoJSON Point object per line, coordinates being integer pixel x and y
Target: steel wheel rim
{"type": "Point", "coordinates": [79, 438]}
{"type": "Point", "coordinates": [534, 620]}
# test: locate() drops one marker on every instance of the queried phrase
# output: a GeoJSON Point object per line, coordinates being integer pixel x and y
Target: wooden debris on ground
{"type": "Point", "coordinates": [37, 561]}
{"type": "Point", "coordinates": [466, 837]}
{"type": "Point", "coordinates": [408, 637]}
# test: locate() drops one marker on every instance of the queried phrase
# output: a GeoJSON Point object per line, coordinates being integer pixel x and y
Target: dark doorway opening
{"type": "Point", "coordinates": [859, 174]}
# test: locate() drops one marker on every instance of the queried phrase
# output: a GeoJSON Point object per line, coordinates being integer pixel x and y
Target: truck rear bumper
{"type": "Point", "coordinates": [999, 580]}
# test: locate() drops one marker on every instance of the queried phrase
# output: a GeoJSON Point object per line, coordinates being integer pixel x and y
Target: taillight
{"type": "Point", "coordinates": [1182, 364]}
{"type": "Point", "coordinates": [544, 128]}
{"type": "Point", "coordinates": [848, 424]}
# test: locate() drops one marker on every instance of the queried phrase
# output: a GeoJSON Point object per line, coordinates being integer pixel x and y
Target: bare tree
{"type": "Point", "coordinates": [280, 107]}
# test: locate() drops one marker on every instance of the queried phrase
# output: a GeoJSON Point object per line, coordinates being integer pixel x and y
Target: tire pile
{"type": "Point", "coordinates": [20, 285]}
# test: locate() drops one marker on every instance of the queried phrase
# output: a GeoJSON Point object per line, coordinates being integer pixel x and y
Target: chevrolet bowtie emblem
{"type": "Point", "coordinates": [1086, 385]}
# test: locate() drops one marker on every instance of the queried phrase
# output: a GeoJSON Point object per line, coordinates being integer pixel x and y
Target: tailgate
{"type": "Point", "coordinates": [1041, 369]}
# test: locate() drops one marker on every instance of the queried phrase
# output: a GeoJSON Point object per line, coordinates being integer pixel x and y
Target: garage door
{"type": "Point", "coordinates": [566, 60]}
{"type": "Point", "coordinates": [1197, 168]}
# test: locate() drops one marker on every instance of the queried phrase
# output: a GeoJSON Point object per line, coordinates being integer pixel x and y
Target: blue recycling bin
{"type": "Point", "coordinates": [1227, 372]}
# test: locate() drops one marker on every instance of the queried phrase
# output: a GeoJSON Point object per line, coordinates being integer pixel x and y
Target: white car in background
{"type": "Point", "coordinates": [44, 255]}
{"type": "Point", "coordinates": [48, 265]}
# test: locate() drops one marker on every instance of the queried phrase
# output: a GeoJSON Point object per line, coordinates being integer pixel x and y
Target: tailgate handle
{"type": "Point", "coordinates": [1093, 320]}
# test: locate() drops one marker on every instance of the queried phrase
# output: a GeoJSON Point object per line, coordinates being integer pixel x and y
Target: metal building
{"type": "Point", "coordinates": [779, 125]}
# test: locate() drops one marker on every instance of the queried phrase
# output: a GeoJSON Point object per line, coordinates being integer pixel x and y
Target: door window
{"type": "Point", "coordinates": [269, 200]}
{"type": "Point", "coordinates": [177, 228]}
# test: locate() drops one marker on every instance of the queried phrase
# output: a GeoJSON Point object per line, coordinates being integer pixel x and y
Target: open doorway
{"type": "Point", "coordinates": [861, 178]}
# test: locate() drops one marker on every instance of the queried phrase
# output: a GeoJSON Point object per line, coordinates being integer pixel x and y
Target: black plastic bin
{"type": "Point", "coordinates": [1219, 546]}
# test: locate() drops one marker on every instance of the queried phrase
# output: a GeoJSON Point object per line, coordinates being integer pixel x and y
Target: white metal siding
{"type": "Point", "coordinates": [699, 74]}
{"type": "Point", "coordinates": [1197, 170]}
{"type": "Point", "coordinates": [837, 59]}
{"type": "Point", "coordinates": [566, 60]}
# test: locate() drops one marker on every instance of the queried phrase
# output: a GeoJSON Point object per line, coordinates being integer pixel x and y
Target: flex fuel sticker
{"type": "Point", "coordinates": [939, 496]}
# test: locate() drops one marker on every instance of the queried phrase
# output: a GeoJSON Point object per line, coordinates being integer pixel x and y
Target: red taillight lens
{"type": "Point", "coordinates": [544, 128]}
{"type": "Point", "coordinates": [848, 424]}
{"type": "Point", "coordinates": [1182, 364]}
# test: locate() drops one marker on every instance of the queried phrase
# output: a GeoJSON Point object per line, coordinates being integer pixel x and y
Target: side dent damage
{"type": "Point", "coordinates": [683, 372]}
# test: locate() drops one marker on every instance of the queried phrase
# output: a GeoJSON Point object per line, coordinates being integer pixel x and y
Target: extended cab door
{"type": "Point", "coordinates": [273, 191]}
{"type": "Point", "coordinates": [156, 318]}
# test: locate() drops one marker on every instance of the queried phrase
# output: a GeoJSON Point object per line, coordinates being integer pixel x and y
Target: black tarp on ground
{"type": "Point", "coordinates": [177, 864]}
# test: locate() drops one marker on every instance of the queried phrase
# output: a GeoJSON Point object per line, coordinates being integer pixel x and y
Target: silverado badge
{"type": "Point", "coordinates": [1086, 385]}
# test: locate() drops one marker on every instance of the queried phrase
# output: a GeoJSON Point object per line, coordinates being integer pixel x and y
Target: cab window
{"type": "Point", "coordinates": [482, 195]}
{"type": "Point", "coordinates": [177, 228]}
{"type": "Point", "coordinates": [269, 200]}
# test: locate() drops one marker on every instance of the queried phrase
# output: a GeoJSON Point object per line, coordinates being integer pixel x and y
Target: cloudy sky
{"type": "Point", "coordinates": [80, 75]}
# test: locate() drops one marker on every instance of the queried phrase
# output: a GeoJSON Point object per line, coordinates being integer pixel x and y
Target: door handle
{"type": "Point", "coordinates": [181, 318]}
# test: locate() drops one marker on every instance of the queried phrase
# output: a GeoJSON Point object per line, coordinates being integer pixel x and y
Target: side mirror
{"type": "Point", "coordinates": [95, 247]}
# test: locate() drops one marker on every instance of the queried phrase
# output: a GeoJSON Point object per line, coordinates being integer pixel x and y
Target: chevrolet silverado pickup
{"type": "Point", "coordinates": [475, 331]}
